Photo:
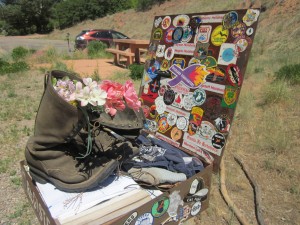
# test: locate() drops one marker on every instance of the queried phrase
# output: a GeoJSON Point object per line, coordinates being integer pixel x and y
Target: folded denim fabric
{"type": "Point", "coordinates": [156, 176]}
{"type": "Point", "coordinates": [166, 156]}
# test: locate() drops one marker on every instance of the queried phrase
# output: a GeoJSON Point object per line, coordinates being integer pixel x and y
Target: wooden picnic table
{"type": "Point", "coordinates": [133, 51]}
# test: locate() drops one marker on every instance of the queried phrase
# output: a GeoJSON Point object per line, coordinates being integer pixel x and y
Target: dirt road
{"type": "Point", "coordinates": [8, 43]}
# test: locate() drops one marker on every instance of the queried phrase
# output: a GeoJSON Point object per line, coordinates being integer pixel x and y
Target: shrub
{"type": "Point", "coordinates": [19, 53]}
{"type": "Point", "coordinates": [18, 67]}
{"type": "Point", "coordinates": [136, 71]}
{"type": "Point", "coordinates": [289, 73]}
{"type": "Point", "coordinates": [96, 49]}
{"type": "Point", "coordinates": [6, 68]}
{"type": "Point", "coordinates": [276, 92]}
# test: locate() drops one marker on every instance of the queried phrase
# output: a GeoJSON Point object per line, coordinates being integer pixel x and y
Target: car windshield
{"type": "Point", "coordinates": [82, 32]}
{"type": "Point", "coordinates": [118, 35]}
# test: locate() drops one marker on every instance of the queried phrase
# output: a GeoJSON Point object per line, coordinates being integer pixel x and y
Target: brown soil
{"type": "Point", "coordinates": [85, 67]}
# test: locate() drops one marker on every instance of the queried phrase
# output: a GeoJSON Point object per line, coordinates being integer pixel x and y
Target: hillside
{"type": "Point", "coordinates": [277, 31]}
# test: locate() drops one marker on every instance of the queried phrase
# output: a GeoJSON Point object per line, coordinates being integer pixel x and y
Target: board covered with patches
{"type": "Point", "coordinates": [193, 75]}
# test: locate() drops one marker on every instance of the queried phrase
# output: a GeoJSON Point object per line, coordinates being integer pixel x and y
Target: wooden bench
{"type": "Point", "coordinates": [117, 53]}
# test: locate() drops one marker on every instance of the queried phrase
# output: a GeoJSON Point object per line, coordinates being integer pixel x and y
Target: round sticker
{"type": "Point", "coordinates": [176, 134]}
{"type": "Point", "coordinates": [171, 118]}
{"type": "Point", "coordinates": [206, 130]}
{"type": "Point", "coordinates": [222, 123]}
{"type": "Point", "coordinates": [169, 35]}
{"type": "Point", "coordinates": [187, 34]}
{"type": "Point", "coordinates": [242, 44]}
{"type": "Point", "coordinates": [219, 35]}
{"type": "Point", "coordinates": [249, 31]}
{"type": "Point", "coordinates": [146, 218]}
{"type": "Point", "coordinates": [181, 21]}
{"type": "Point", "coordinates": [169, 97]}
{"type": "Point", "coordinates": [160, 207]}
{"type": "Point", "coordinates": [169, 53]}
{"type": "Point", "coordinates": [181, 123]}
{"type": "Point", "coordinates": [166, 22]}
{"type": "Point", "coordinates": [218, 141]}
{"type": "Point", "coordinates": [199, 96]}
{"type": "Point", "coordinates": [160, 105]}
{"type": "Point", "coordinates": [233, 75]}
{"type": "Point", "coordinates": [162, 123]}
{"type": "Point", "coordinates": [238, 30]}
{"type": "Point", "coordinates": [177, 35]}
{"type": "Point", "coordinates": [230, 20]}
{"type": "Point", "coordinates": [196, 208]}
{"type": "Point", "coordinates": [188, 101]}
{"type": "Point", "coordinates": [152, 125]}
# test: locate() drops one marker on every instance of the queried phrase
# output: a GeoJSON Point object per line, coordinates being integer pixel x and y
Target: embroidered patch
{"type": "Point", "coordinates": [218, 141]}
{"type": "Point", "coordinates": [251, 16]}
{"type": "Point", "coordinates": [166, 22]}
{"type": "Point", "coordinates": [219, 35]}
{"type": "Point", "coordinates": [181, 21]}
{"type": "Point", "coordinates": [233, 75]}
{"type": "Point", "coordinates": [176, 134]}
{"type": "Point", "coordinates": [230, 20]}
{"type": "Point", "coordinates": [199, 97]}
{"type": "Point", "coordinates": [169, 53]}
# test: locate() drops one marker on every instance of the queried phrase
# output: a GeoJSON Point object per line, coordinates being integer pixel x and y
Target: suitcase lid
{"type": "Point", "coordinates": [192, 79]}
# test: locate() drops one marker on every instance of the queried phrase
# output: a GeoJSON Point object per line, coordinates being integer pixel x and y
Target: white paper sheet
{"type": "Point", "coordinates": [63, 204]}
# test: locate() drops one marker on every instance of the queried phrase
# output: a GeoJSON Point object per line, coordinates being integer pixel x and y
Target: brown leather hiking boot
{"type": "Point", "coordinates": [50, 153]}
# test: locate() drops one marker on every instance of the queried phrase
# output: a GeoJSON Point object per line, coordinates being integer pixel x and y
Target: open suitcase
{"type": "Point", "coordinates": [194, 70]}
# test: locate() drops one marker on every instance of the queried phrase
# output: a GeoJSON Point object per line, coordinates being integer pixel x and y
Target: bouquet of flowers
{"type": "Point", "coordinates": [108, 96]}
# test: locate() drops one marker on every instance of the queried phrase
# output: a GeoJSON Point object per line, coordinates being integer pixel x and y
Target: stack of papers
{"type": "Point", "coordinates": [63, 205]}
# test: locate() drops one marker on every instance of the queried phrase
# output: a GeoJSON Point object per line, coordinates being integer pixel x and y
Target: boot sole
{"type": "Point", "coordinates": [42, 178]}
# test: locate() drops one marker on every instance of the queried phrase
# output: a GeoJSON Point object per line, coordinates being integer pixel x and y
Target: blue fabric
{"type": "Point", "coordinates": [166, 156]}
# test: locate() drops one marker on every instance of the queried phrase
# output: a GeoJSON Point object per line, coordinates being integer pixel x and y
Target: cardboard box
{"type": "Point", "coordinates": [194, 70]}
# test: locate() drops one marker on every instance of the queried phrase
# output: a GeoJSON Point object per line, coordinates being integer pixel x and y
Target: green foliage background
{"type": "Point", "coordinates": [21, 17]}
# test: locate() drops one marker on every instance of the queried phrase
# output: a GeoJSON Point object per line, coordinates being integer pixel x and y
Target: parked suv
{"type": "Point", "coordinates": [105, 36]}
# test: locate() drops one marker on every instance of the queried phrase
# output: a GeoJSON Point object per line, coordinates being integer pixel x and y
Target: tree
{"type": "Point", "coordinates": [27, 16]}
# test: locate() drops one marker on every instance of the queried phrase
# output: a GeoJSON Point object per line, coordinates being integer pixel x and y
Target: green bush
{"type": "Point", "coordinates": [19, 53]}
{"type": "Point", "coordinates": [96, 49]}
{"type": "Point", "coordinates": [6, 68]}
{"type": "Point", "coordinates": [136, 71]}
{"type": "Point", "coordinates": [289, 73]}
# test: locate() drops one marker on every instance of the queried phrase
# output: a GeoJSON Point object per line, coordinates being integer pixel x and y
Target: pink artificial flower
{"type": "Point", "coordinates": [115, 93]}
{"type": "Point", "coordinates": [131, 96]}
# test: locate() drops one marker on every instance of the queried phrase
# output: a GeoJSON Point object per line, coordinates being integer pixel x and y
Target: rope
{"type": "Point", "coordinates": [256, 191]}
{"type": "Point", "coordinates": [227, 199]}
